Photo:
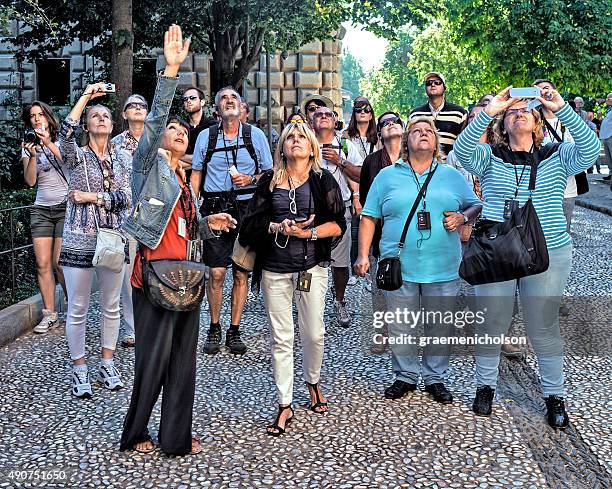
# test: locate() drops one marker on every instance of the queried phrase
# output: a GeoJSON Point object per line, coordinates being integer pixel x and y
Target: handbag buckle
{"type": "Point", "coordinates": [182, 290]}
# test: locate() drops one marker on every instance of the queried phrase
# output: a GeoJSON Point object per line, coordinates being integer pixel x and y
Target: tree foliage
{"type": "Point", "coordinates": [352, 73]}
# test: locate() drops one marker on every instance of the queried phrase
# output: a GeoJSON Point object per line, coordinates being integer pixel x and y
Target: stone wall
{"type": "Point", "coordinates": [314, 68]}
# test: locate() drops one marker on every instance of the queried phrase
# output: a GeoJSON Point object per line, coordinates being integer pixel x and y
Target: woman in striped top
{"type": "Point", "coordinates": [504, 170]}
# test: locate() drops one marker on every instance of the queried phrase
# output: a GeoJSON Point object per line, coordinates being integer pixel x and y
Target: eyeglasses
{"type": "Point", "coordinates": [136, 105]}
{"type": "Point", "coordinates": [437, 83]}
{"type": "Point", "coordinates": [107, 175]}
{"type": "Point", "coordinates": [362, 110]}
{"type": "Point", "coordinates": [292, 204]}
{"type": "Point", "coordinates": [390, 120]}
{"type": "Point", "coordinates": [516, 112]}
{"type": "Point", "coordinates": [324, 114]}
{"type": "Point", "coordinates": [190, 97]}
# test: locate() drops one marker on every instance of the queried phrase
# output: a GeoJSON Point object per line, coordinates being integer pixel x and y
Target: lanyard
{"type": "Point", "coordinates": [365, 151]}
{"type": "Point", "coordinates": [416, 179]}
{"type": "Point", "coordinates": [516, 175]}
{"type": "Point", "coordinates": [232, 149]}
{"type": "Point", "coordinates": [186, 202]}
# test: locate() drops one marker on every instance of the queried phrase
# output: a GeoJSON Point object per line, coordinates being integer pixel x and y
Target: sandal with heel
{"type": "Point", "coordinates": [316, 407]}
{"type": "Point", "coordinates": [275, 426]}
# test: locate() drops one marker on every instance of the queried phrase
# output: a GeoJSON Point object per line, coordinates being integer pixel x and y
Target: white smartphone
{"type": "Point", "coordinates": [525, 92]}
{"type": "Point", "coordinates": [109, 87]}
{"type": "Point", "coordinates": [233, 171]}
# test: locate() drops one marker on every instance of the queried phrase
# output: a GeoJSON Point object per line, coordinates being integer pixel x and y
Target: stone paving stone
{"type": "Point", "coordinates": [364, 441]}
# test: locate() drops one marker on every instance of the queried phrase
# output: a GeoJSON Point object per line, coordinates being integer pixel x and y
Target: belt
{"type": "Point", "coordinates": [227, 193]}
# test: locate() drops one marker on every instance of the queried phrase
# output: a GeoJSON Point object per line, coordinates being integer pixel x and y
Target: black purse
{"type": "Point", "coordinates": [500, 251]}
{"type": "Point", "coordinates": [389, 271]}
{"type": "Point", "coordinates": [175, 285]}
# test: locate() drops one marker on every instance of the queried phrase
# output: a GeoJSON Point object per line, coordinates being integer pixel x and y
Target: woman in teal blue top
{"type": "Point", "coordinates": [430, 257]}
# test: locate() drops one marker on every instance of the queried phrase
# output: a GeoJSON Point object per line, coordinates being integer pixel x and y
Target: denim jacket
{"type": "Point", "coordinates": [155, 189]}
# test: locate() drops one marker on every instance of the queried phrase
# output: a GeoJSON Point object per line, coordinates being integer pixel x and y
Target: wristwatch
{"type": "Point", "coordinates": [343, 163]}
{"type": "Point", "coordinates": [465, 218]}
{"type": "Point", "coordinates": [254, 180]}
{"type": "Point", "coordinates": [313, 234]}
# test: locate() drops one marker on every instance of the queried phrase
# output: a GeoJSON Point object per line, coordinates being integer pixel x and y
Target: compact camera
{"type": "Point", "coordinates": [30, 137]}
{"type": "Point", "coordinates": [109, 87]}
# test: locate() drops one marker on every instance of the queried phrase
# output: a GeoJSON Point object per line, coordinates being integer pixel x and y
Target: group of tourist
{"type": "Point", "coordinates": [182, 193]}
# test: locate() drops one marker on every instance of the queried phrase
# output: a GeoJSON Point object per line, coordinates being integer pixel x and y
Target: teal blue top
{"type": "Point", "coordinates": [428, 256]}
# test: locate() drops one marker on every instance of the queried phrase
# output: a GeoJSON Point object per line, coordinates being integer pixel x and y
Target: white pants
{"type": "Point", "coordinates": [278, 292]}
{"type": "Point", "coordinates": [78, 285]}
{"type": "Point", "coordinates": [126, 290]}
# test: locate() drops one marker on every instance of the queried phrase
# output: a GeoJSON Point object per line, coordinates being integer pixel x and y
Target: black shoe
{"type": "Point", "coordinates": [556, 415]}
{"type": "Point", "coordinates": [234, 343]}
{"type": "Point", "coordinates": [440, 393]}
{"type": "Point", "coordinates": [399, 389]}
{"type": "Point", "coordinates": [483, 402]}
{"type": "Point", "coordinates": [606, 178]}
{"type": "Point", "coordinates": [213, 340]}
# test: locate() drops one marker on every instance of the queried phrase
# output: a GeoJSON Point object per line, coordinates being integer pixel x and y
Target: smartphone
{"type": "Point", "coordinates": [327, 145]}
{"type": "Point", "coordinates": [525, 92]}
{"type": "Point", "coordinates": [109, 87]}
{"type": "Point", "coordinates": [300, 219]}
{"type": "Point", "coordinates": [232, 170]}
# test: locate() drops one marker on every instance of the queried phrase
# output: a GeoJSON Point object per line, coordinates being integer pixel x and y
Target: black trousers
{"type": "Point", "coordinates": [165, 357]}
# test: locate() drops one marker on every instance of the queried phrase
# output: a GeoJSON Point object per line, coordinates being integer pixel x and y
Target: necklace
{"type": "Point", "coordinates": [299, 179]}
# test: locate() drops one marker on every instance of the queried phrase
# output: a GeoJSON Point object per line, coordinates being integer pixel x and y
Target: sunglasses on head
{"type": "Point", "coordinates": [136, 105]}
{"type": "Point", "coordinates": [362, 110]}
{"type": "Point", "coordinates": [390, 120]}
{"type": "Point", "coordinates": [190, 97]}
{"type": "Point", "coordinates": [437, 83]}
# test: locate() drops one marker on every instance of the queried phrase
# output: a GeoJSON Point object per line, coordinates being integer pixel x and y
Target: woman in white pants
{"type": "Point", "coordinates": [99, 195]}
{"type": "Point", "coordinates": [293, 220]}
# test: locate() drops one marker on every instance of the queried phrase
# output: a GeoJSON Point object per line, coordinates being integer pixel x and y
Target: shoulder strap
{"type": "Point", "coordinates": [413, 210]}
{"type": "Point", "coordinates": [213, 133]}
{"type": "Point", "coordinates": [248, 143]}
{"type": "Point", "coordinates": [552, 131]}
{"type": "Point", "coordinates": [84, 163]}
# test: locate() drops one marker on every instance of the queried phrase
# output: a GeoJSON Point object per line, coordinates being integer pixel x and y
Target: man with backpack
{"type": "Point", "coordinates": [227, 162]}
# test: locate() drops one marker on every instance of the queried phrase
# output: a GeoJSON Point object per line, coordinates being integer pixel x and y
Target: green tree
{"type": "Point", "coordinates": [352, 73]}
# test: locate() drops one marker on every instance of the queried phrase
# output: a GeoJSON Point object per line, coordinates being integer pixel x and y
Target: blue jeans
{"type": "Point", "coordinates": [540, 297]}
{"type": "Point", "coordinates": [413, 296]}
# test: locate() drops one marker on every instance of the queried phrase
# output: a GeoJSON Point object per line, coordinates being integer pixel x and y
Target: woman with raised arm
{"type": "Point", "coordinates": [504, 170]}
{"type": "Point", "coordinates": [43, 167]}
{"type": "Point", "coordinates": [164, 222]}
{"type": "Point", "coordinates": [99, 197]}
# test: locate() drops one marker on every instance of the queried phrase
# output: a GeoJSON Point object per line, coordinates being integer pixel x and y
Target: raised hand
{"type": "Point", "coordinates": [500, 102]}
{"type": "Point", "coordinates": [552, 101]}
{"type": "Point", "coordinates": [94, 90]}
{"type": "Point", "coordinates": [175, 49]}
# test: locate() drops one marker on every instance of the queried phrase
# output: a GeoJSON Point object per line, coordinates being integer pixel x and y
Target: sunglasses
{"type": "Point", "coordinates": [437, 83]}
{"type": "Point", "coordinates": [136, 105]}
{"type": "Point", "coordinates": [292, 203]}
{"type": "Point", "coordinates": [190, 97]}
{"type": "Point", "coordinates": [390, 120]}
{"type": "Point", "coordinates": [324, 114]}
{"type": "Point", "coordinates": [362, 110]}
{"type": "Point", "coordinates": [313, 107]}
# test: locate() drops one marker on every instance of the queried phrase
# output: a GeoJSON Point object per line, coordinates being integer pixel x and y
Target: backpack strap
{"type": "Point", "coordinates": [248, 143]}
{"type": "Point", "coordinates": [213, 133]}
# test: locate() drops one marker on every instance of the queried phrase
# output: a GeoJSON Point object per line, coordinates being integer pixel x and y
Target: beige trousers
{"type": "Point", "coordinates": [278, 293]}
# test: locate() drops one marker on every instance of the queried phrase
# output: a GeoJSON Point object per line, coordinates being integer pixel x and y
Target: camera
{"type": "Point", "coordinates": [109, 87]}
{"type": "Point", "coordinates": [339, 125]}
{"type": "Point", "coordinates": [30, 137]}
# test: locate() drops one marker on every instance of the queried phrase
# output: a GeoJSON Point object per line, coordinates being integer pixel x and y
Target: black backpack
{"type": "Point", "coordinates": [213, 133]}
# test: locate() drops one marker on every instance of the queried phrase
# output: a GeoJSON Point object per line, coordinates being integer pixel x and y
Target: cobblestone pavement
{"type": "Point", "coordinates": [364, 442]}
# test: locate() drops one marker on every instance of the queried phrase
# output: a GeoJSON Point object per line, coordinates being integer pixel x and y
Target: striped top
{"type": "Point", "coordinates": [449, 120]}
{"type": "Point", "coordinates": [498, 178]}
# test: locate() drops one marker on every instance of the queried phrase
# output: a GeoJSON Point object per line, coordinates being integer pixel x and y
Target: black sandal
{"type": "Point", "coordinates": [317, 405]}
{"type": "Point", "coordinates": [275, 426]}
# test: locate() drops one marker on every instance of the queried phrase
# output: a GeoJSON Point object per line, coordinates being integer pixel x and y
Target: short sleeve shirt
{"type": "Point", "coordinates": [352, 155]}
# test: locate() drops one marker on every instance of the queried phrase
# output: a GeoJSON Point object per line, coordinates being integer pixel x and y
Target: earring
{"type": "Point", "coordinates": [312, 155]}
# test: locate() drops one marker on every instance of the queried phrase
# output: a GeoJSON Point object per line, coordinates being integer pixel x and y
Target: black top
{"type": "Point", "coordinates": [371, 167]}
{"type": "Point", "coordinates": [327, 206]}
{"type": "Point", "coordinates": [290, 254]}
{"type": "Point", "coordinates": [194, 132]}
{"type": "Point", "coordinates": [449, 121]}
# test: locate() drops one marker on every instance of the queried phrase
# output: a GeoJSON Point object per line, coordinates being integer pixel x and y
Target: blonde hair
{"type": "Point", "coordinates": [280, 160]}
{"type": "Point", "coordinates": [430, 122]}
{"type": "Point", "coordinates": [500, 135]}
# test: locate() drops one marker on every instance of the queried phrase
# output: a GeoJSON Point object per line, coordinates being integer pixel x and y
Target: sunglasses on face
{"type": "Point", "coordinates": [390, 120]}
{"type": "Point", "coordinates": [135, 105]}
{"type": "Point", "coordinates": [516, 112]}
{"type": "Point", "coordinates": [429, 83]}
{"type": "Point", "coordinates": [324, 114]}
{"type": "Point", "coordinates": [362, 110]}
{"type": "Point", "coordinates": [190, 97]}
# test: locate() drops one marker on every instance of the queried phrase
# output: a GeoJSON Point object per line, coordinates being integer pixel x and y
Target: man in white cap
{"type": "Point", "coordinates": [579, 108]}
{"type": "Point", "coordinates": [135, 112]}
{"type": "Point", "coordinates": [312, 102]}
{"type": "Point", "coordinates": [450, 119]}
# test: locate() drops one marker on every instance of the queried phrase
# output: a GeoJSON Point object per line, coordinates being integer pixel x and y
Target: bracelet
{"type": "Point", "coordinates": [355, 194]}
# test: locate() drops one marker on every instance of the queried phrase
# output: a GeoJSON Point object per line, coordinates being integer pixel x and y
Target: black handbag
{"type": "Point", "coordinates": [389, 271]}
{"type": "Point", "coordinates": [175, 285]}
{"type": "Point", "coordinates": [500, 251]}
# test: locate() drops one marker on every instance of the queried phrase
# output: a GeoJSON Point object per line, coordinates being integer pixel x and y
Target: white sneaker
{"type": "Point", "coordinates": [352, 281]}
{"type": "Point", "coordinates": [343, 316]}
{"type": "Point", "coordinates": [49, 320]}
{"type": "Point", "coordinates": [109, 377]}
{"type": "Point", "coordinates": [81, 386]}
